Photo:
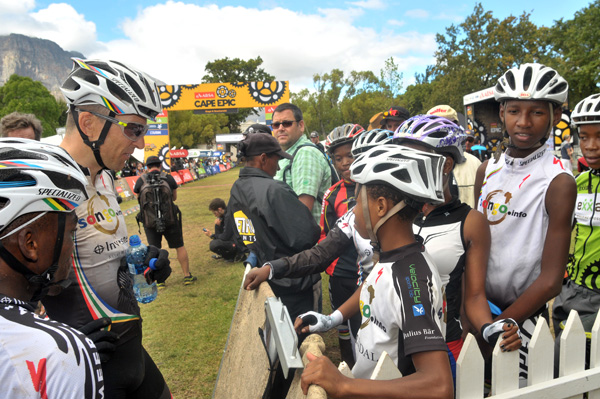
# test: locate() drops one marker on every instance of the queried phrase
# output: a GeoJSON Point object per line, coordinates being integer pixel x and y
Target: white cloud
{"type": "Point", "coordinates": [417, 13]}
{"type": "Point", "coordinates": [395, 22]}
{"type": "Point", "coordinates": [58, 22]}
{"type": "Point", "coordinates": [174, 41]}
{"type": "Point", "coordinates": [15, 7]}
{"type": "Point", "coordinates": [369, 4]}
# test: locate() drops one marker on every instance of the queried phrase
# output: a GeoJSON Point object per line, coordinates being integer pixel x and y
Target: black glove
{"type": "Point", "coordinates": [103, 340]}
{"type": "Point", "coordinates": [160, 270]}
{"type": "Point", "coordinates": [491, 332]}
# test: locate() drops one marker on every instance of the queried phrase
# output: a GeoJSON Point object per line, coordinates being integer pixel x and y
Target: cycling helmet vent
{"type": "Point", "coordinates": [510, 80]}
{"type": "Point", "coordinates": [560, 88]}
{"type": "Point", "coordinates": [527, 78]}
{"type": "Point", "coordinates": [341, 135]}
{"type": "Point", "coordinates": [402, 175]}
{"type": "Point", "coordinates": [546, 79]}
{"type": "Point", "coordinates": [370, 139]}
{"type": "Point", "coordinates": [118, 92]}
{"type": "Point", "coordinates": [10, 153]}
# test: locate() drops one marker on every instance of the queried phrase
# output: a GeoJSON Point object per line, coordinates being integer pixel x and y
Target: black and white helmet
{"type": "Point", "coordinates": [532, 82]}
{"type": "Point", "coordinates": [37, 177]}
{"type": "Point", "coordinates": [370, 139]}
{"type": "Point", "coordinates": [416, 174]}
{"type": "Point", "coordinates": [587, 111]}
{"type": "Point", "coordinates": [116, 86]}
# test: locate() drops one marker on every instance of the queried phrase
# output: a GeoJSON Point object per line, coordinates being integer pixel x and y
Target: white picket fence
{"type": "Point", "coordinates": [573, 380]}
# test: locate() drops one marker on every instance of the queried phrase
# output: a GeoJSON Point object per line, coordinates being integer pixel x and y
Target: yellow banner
{"type": "Point", "coordinates": [214, 96]}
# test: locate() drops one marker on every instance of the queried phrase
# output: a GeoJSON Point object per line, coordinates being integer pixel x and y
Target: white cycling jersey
{"type": "Point", "coordinates": [512, 199]}
{"type": "Point", "coordinates": [45, 359]}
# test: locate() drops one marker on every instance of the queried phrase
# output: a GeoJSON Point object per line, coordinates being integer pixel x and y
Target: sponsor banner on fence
{"type": "Point", "coordinates": [186, 176]}
{"type": "Point", "coordinates": [177, 178]}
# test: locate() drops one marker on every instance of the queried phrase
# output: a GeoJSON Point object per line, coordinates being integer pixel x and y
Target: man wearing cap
{"type": "Point", "coordinates": [270, 219]}
{"type": "Point", "coordinates": [314, 137]}
{"type": "Point", "coordinates": [464, 172]}
{"type": "Point", "coordinates": [257, 128]}
{"type": "Point", "coordinates": [173, 234]}
{"type": "Point", "coordinates": [393, 117]}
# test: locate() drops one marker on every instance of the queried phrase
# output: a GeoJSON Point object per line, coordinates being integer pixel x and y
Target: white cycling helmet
{"type": "Point", "coordinates": [587, 111]}
{"type": "Point", "coordinates": [116, 86]}
{"type": "Point", "coordinates": [372, 138]}
{"type": "Point", "coordinates": [416, 174]}
{"type": "Point", "coordinates": [37, 178]}
{"type": "Point", "coordinates": [532, 82]}
{"type": "Point", "coordinates": [435, 132]}
{"type": "Point", "coordinates": [342, 135]}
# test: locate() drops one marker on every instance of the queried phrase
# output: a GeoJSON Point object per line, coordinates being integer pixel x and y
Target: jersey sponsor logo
{"type": "Point", "coordinates": [496, 207]}
{"type": "Point", "coordinates": [100, 215]}
{"type": "Point", "coordinates": [413, 286]}
{"type": "Point", "coordinates": [38, 377]}
{"type": "Point", "coordinates": [418, 310]}
{"type": "Point", "coordinates": [244, 227]}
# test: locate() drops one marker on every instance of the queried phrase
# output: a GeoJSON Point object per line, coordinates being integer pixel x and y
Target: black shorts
{"type": "Point", "coordinates": [340, 290]}
{"type": "Point", "coordinates": [174, 235]}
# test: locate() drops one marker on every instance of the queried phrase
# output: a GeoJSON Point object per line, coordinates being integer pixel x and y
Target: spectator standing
{"type": "Point", "coordinates": [223, 244]}
{"type": "Point", "coordinates": [309, 175]}
{"type": "Point", "coordinates": [314, 138]}
{"type": "Point", "coordinates": [566, 152]}
{"type": "Point", "coordinates": [109, 105]}
{"type": "Point", "coordinates": [393, 117]}
{"type": "Point", "coordinates": [272, 223]}
{"type": "Point", "coordinates": [528, 198]}
{"type": "Point", "coordinates": [26, 126]}
{"type": "Point", "coordinates": [173, 233]}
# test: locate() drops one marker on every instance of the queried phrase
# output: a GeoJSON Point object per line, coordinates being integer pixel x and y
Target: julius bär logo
{"type": "Point", "coordinates": [496, 206]}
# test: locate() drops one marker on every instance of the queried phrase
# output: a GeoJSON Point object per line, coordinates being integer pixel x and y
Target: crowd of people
{"type": "Point", "coordinates": [424, 238]}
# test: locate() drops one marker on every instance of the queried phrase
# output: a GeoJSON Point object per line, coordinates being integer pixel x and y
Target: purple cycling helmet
{"type": "Point", "coordinates": [438, 133]}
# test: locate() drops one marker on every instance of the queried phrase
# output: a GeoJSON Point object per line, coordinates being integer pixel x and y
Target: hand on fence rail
{"type": "Point", "coordinates": [322, 372]}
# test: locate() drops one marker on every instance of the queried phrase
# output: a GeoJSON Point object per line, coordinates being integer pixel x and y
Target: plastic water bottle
{"type": "Point", "coordinates": [136, 255]}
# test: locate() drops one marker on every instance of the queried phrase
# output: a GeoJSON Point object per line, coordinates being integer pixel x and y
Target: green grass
{"type": "Point", "coordinates": [186, 327]}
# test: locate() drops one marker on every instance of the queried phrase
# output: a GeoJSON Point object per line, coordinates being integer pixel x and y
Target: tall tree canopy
{"type": "Point", "coordinates": [25, 95]}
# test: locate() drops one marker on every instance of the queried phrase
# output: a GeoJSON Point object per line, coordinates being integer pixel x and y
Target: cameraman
{"type": "Point", "coordinates": [174, 235]}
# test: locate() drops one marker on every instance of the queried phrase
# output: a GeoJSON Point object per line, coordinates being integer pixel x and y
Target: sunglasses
{"type": "Point", "coordinates": [285, 124]}
{"type": "Point", "coordinates": [391, 112]}
{"type": "Point", "coordinates": [133, 131]}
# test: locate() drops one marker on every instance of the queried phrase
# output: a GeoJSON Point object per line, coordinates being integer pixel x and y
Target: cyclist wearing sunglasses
{"type": "Point", "coordinates": [109, 104]}
{"type": "Point", "coordinates": [393, 117]}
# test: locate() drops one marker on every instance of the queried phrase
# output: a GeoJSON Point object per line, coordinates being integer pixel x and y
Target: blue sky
{"type": "Point", "coordinates": [296, 39]}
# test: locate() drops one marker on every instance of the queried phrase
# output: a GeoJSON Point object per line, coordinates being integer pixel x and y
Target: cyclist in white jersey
{"type": "Point", "coordinates": [109, 105]}
{"type": "Point", "coordinates": [40, 185]}
{"type": "Point", "coordinates": [528, 197]}
{"type": "Point", "coordinates": [457, 238]}
{"type": "Point", "coordinates": [400, 301]}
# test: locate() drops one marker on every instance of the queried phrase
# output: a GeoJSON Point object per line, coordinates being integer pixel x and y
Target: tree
{"type": "Point", "coordinates": [575, 47]}
{"type": "Point", "coordinates": [235, 70]}
{"type": "Point", "coordinates": [25, 95]}
{"type": "Point", "coordinates": [474, 54]}
{"type": "Point", "coordinates": [187, 129]}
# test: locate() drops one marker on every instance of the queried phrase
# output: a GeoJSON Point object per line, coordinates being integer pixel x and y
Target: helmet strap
{"type": "Point", "coordinates": [94, 145]}
{"type": "Point", "coordinates": [372, 231]}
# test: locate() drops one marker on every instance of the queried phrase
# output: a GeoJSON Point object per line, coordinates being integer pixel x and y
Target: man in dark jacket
{"type": "Point", "coordinates": [222, 243]}
{"type": "Point", "coordinates": [270, 220]}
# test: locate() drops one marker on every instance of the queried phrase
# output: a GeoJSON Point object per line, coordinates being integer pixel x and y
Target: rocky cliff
{"type": "Point", "coordinates": [39, 59]}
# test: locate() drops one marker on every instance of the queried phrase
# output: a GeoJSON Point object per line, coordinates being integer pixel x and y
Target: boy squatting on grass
{"type": "Point", "coordinates": [401, 300]}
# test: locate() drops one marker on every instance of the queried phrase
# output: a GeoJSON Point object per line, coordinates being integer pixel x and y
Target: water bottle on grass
{"type": "Point", "coordinates": [136, 255]}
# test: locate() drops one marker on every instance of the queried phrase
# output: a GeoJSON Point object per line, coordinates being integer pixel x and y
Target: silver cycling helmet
{"type": "Point", "coordinates": [342, 135]}
{"type": "Point", "coordinates": [587, 111]}
{"type": "Point", "coordinates": [435, 132]}
{"type": "Point", "coordinates": [372, 138]}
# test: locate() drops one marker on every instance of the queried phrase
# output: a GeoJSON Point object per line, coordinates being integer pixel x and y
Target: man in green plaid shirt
{"type": "Point", "coordinates": [310, 174]}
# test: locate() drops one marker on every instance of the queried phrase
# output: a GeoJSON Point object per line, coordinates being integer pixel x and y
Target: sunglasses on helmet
{"type": "Point", "coordinates": [133, 131]}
